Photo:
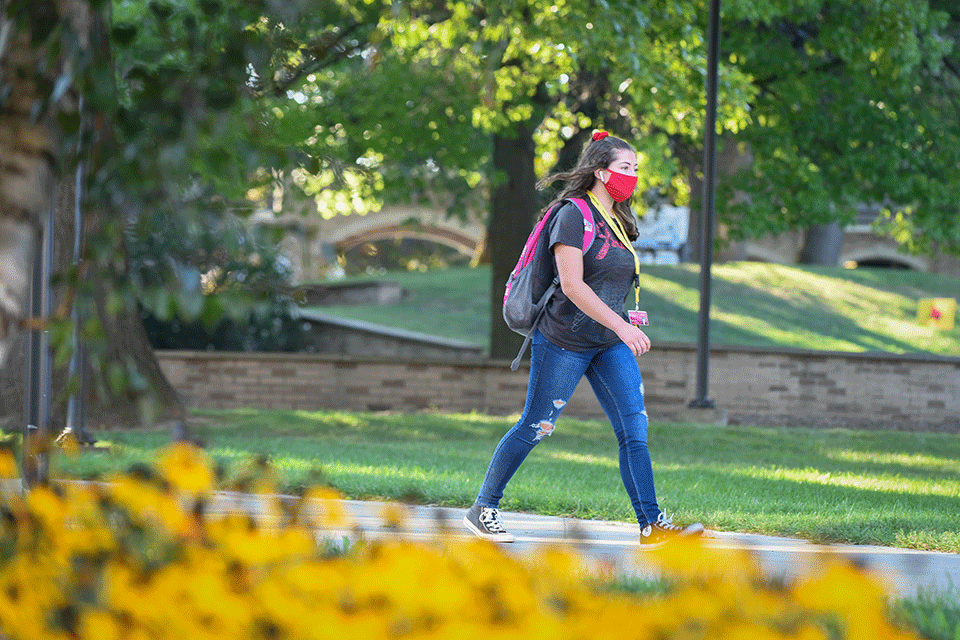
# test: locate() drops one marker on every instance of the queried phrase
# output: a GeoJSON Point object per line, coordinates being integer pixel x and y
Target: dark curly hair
{"type": "Point", "coordinates": [597, 154]}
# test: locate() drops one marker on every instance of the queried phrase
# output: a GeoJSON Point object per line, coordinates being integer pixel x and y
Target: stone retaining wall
{"type": "Point", "coordinates": [755, 386]}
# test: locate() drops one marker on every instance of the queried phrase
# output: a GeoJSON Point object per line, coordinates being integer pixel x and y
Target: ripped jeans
{"type": "Point", "coordinates": [554, 373]}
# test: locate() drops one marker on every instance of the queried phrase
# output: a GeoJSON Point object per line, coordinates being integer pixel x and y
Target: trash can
{"type": "Point", "coordinates": [938, 313]}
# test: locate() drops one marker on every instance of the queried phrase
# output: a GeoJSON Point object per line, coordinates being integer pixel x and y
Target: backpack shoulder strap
{"type": "Point", "coordinates": [530, 247]}
{"type": "Point", "coordinates": [589, 230]}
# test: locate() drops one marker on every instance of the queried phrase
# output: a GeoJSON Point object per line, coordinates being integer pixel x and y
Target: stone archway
{"type": "Point", "coordinates": [401, 231]}
{"type": "Point", "coordinates": [312, 243]}
{"type": "Point", "coordinates": [410, 246]}
{"type": "Point", "coordinates": [405, 221]}
{"type": "Point", "coordinates": [448, 237]}
{"type": "Point", "coordinates": [882, 255]}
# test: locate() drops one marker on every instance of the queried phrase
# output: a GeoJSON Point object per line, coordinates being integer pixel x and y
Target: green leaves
{"type": "Point", "coordinates": [833, 124]}
{"type": "Point", "coordinates": [123, 34]}
{"type": "Point", "coordinates": [161, 10]}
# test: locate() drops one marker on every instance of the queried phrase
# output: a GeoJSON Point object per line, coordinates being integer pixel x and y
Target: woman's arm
{"type": "Point", "coordinates": [570, 267]}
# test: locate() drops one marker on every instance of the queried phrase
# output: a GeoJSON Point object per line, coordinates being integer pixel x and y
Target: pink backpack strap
{"type": "Point", "coordinates": [589, 229]}
{"type": "Point", "coordinates": [589, 232]}
{"type": "Point", "coordinates": [531, 245]}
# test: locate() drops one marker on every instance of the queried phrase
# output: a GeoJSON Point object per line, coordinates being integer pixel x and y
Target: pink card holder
{"type": "Point", "coordinates": [638, 318]}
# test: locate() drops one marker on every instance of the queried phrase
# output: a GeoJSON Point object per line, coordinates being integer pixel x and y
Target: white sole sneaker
{"type": "Point", "coordinates": [492, 530]}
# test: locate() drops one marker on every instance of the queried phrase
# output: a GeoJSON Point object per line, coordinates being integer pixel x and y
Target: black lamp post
{"type": "Point", "coordinates": [702, 400]}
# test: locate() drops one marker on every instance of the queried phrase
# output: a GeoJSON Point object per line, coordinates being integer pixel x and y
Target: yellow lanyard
{"type": "Point", "coordinates": [621, 234]}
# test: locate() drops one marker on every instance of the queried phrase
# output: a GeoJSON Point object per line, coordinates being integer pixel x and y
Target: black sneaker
{"type": "Point", "coordinates": [664, 529]}
{"type": "Point", "coordinates": [485, 522]}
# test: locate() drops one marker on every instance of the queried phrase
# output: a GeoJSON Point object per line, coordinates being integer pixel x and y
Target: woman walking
{"type": "Point", "coordinates": [584, 332]}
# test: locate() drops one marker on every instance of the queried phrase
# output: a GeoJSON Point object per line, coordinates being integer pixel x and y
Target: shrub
{"type": "Point", "coordinates": [147, 555]}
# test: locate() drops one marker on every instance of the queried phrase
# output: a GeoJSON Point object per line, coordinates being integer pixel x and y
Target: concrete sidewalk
{"type": "Point", "coordinates": [906, 572]}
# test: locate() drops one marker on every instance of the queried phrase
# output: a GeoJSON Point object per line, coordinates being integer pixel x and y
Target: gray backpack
{"type": "Point", "coordinates": [528, 288]}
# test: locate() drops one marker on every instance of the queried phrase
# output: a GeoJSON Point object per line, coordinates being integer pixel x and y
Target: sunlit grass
{"type": "Point", "coordinates": [753, 304]}
{"type": "Point", "coordinates": [593, 460]}
{"type": "Point", "coordinates": [889, 488]}
{"type": "Point", "coordinates": [863, 480]}
{"type": "Point", "coordinates": [920, 462]}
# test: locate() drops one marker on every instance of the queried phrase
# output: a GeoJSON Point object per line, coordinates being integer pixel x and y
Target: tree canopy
{"type": "Point", "coordinates": [835, 106]}
{"type": "Point", "coordinates": [187, 109]}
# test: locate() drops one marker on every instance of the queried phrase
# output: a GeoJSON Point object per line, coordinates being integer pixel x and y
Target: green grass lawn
{"type": "Point", "coordinates": [753, 304]}
{"type": "Point", "coordinates": [829, 485]}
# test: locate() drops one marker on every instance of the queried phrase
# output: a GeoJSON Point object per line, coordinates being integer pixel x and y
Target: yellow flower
{"type": "Point", "coordinates": [841, 587]}
{"type": "Point", "coordinates": [235, 579]}
{"type": "Point", "coordinates": [854, 595]}
{"type": "Point", "coordinates": [808, 632]}
{"type": "Point", "coordinates": [146, 503]}
{"type": "Point", "coordinates": [31, 588]}
{"type": "Point", "coordinates": [238, 538]}
{"type": "Point", "coordinates": [99, 624]}
{"type": "Point", "coordinates": [188, 468]}
{"type": "Point", "coordinates": [394, 515]}
{"type": "Point", "coordinates": [740, 630]}
{"type": "Point", "coordinates": [127, 593]}
{"type": "Point", "coordinates": [48, 507]}
{"type": "Point", "coordinates": [324, 509]}
{"type": "Point", "coordinates": [691, 557]}
{"type": "Point", "coordinates": [8, 464]}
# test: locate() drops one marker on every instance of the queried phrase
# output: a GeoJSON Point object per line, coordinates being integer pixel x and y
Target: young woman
{"type": "Point", "coordinates": [584, 332]}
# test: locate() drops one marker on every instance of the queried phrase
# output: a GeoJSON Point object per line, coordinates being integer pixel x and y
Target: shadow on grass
{"type": "Point", "coordinates": [428, 427]}
{"type": "Point", "coordinates": [757, 307]}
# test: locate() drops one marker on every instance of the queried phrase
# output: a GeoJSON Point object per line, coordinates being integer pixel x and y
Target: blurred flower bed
{"type": "Point", "coordinates": [144, 556]}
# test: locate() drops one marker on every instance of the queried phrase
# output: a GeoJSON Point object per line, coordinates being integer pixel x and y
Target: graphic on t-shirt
{"type": "Point", "coordinates": [608, 238]}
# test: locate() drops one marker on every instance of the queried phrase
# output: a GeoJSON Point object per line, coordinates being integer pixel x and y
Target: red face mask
{"type": "Point", "coordinates": [620, 186]}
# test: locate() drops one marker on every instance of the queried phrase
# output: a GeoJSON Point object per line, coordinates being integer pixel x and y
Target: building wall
{"type": "Point", "coordinates": [786, 387]}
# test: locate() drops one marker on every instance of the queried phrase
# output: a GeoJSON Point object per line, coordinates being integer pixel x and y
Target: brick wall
{"type": "Point", "coordinates": [755, 386]}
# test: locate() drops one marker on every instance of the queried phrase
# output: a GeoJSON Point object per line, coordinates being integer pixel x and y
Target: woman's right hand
{"type": "Point", "coordinates": [634, 338]}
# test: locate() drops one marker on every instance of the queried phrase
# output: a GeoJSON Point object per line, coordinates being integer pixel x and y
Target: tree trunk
{"type": "Point", "coordinates": [730, 159]}
{"type": "Point", "coordinates": [27, 172]}
{"type": "Point", "coordinates": [126, 344]}
{"type": "Point", "coordinates": [822, 244]}
{"type": "Point", "coordinates": [32, 168]}
{"type": "Point", "coordinates": [513, 207]}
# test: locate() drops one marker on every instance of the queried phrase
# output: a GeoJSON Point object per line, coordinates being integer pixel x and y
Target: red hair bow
{"type": "Point", "coordinates": [599, 135]}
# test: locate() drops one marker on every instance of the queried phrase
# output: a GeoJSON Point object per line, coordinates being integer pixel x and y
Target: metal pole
{"type": "Point", "coordinates": [31, 395]}
{"type": "Point", "coordinates": [75, 410]}
{"type": "Point", "coordinates": [702, 400]}
{"type": "Point", "coordinates": [46, 357]}
{"type": "Point", "coordinates": [76, 404]}
{"type": "Point", "coordinates": [36, 436]}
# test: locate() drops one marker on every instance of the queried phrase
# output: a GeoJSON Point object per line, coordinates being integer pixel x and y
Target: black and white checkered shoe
{"type": "Point", "coordinates": [485, 522]}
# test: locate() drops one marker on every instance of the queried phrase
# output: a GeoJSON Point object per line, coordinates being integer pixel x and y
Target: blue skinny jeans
{"type": "Point", "coordinates": [554, 373]}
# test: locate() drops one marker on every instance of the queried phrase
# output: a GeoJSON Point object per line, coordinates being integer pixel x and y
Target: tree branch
{"type": "Point", "coordinates": [952, 67]}
{"type": "Point", "coordinates": [829, 65]}
{"type": "Point", "coordinates": [318, 56]}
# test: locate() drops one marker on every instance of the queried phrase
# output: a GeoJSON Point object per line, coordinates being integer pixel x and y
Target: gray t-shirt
{"type": "Point", "coordinates": [608, 269]}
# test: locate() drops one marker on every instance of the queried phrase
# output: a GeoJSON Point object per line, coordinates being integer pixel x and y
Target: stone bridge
{"type": "Point", "coordinates": [313, 243]}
